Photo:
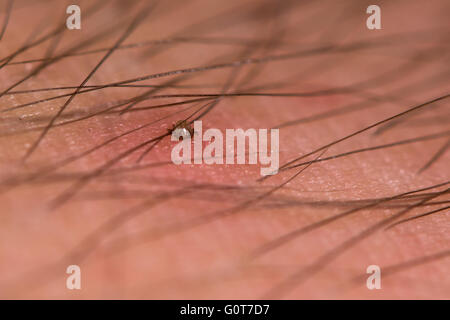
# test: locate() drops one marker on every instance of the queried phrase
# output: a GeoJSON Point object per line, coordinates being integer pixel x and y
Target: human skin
{"type": "Point", "coordinates": [189, 231]}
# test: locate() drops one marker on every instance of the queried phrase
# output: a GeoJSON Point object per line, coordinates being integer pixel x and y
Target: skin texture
{"type": "Point", "coordinates": [154, 230]}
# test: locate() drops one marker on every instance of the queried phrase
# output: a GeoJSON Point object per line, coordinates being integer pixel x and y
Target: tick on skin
{"type": "Point", "coordinates": [185, 127]}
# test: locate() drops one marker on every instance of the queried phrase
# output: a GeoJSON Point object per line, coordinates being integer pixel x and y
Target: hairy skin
{"type": "Point", "coordinates": [161, 231]}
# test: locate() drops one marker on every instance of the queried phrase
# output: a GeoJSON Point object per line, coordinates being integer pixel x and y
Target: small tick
{"type": "Point", "coordinates": [184, 126]}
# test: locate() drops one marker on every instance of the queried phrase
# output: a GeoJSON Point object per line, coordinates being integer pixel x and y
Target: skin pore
{"type": "Point", "coordinates": [86, 177]}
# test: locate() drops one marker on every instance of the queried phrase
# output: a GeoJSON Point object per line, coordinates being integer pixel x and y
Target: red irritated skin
{"type": "Point", "coordinates": [88, 180]}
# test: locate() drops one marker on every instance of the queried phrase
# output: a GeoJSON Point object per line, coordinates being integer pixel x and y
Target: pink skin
{"type": "Point", "coordinates": [208, 261]}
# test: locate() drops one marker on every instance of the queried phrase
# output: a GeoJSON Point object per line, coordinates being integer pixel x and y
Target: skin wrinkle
{"type": "Point", "coordinates": [141, 227]}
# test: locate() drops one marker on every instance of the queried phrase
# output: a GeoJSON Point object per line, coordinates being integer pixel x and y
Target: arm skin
{"type": "Point", "coordinates": [132, 232]}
